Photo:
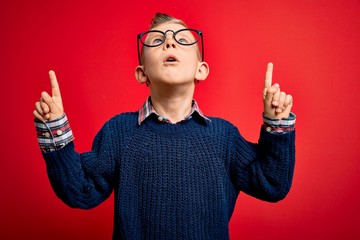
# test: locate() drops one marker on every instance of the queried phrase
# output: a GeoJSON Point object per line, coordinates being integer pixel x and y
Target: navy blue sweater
{"type": "Point", "coordinates": [172, 181]}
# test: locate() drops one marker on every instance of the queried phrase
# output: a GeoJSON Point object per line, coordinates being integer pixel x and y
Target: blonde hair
{"type": "Point", "coordinates": [161, 18]}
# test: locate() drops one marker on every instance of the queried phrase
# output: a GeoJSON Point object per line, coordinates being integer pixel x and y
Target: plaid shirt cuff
{"type": "Point", "coordinates": [53, 135]}
{"type": "Point", "coordinates": [279, 125]}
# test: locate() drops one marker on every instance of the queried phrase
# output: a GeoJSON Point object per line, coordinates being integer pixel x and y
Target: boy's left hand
{"type": "Point", "coordinates": [277, 104]}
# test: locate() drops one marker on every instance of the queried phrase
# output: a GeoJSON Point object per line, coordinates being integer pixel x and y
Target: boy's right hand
{"type": "Point", "coordinates": [50, 107]}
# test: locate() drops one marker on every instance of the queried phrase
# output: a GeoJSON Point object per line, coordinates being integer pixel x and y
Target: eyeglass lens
{"type": "Point", "coordinates": [155, 38]}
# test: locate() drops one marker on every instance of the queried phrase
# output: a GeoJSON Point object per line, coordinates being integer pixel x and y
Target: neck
{"type": "Point", "coordinates": [173, 104]}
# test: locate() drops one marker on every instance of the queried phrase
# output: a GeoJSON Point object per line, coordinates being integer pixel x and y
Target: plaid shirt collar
{"type": "Point", "coordinates": [147, 109]}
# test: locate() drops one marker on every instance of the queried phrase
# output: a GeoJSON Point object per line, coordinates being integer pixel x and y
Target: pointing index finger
{"type": "Point", "coordinates": [268, 75]}
{"type": "Point", "coordinates": [54, 84]}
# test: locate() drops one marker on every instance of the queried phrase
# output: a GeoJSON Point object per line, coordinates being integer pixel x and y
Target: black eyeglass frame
{"type": "Point", "coordinates": [140, 35]}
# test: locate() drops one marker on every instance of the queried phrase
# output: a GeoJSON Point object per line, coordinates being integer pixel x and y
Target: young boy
{"type": "Point", "coordinates": [175, 172]}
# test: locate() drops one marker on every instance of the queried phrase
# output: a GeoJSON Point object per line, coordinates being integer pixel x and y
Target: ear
{"type": "Point", "coordinates": [202, 72]}
{"type": "Point", "coordinates": [140, 74]}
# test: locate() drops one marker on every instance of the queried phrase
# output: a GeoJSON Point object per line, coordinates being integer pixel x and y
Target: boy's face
{"type": "Point", "coordinates": [170, 62]}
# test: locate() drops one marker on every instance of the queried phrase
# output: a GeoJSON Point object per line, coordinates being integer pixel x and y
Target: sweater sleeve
{"type": "Point", "coordinates": [83, 180]}
{"type": "Point", "coordinates": [263, 170]}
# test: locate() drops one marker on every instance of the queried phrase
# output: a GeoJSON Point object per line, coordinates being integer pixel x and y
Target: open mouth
{"type": "Point", "coordinates": [170, 59]}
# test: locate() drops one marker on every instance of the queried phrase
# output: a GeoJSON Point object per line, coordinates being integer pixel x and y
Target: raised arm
{"type": "Point", "coordinates": [265, 170]}
{"type": "Point", "coordinates": [80, 180]}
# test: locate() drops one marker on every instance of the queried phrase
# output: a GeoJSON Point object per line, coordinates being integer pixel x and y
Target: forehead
{"type": "Point", "coordinates": [169, 26]}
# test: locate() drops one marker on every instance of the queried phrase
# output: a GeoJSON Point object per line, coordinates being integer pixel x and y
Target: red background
{"type": "Point", "coordinates": [92, 47]}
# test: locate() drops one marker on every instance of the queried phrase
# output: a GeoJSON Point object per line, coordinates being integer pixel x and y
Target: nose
{"type": "Point", "coordinates": [169, 41]}
{"type": "Point", "coordinates": [170, 45]}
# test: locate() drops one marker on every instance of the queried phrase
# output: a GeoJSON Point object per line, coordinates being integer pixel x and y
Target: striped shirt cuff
{"type": "Point", "coordinates": [53, 135]}
{"type": "Point", "coordinates": [279, 125]}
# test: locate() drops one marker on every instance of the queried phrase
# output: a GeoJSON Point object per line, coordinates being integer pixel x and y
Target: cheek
{"type": "Point", "coordinates": [191, 69]}
{"type": "Point", "coordinates": [148, 56]}
{"type": "Point", "coordinates": [194, 59]}
{"type": "Point", "coordinates": [149, 67]}
{"type": "Point", "coordinates": [192, 63]}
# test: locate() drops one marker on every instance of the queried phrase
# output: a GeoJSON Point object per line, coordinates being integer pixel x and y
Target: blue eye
{"type": "Point", "coordinates": [152, 38]}
{"type": "Point", "coordinates": [183, 40]}
{"type": "Point", "coordinates": [157, 41]}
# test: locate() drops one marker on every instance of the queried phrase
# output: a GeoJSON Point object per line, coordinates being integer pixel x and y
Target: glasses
{"type": "Point", "coordinates": [185, 37]}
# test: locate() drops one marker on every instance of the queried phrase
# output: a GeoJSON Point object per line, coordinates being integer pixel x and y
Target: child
{"type": "Point", "coordinates": [175, 172]}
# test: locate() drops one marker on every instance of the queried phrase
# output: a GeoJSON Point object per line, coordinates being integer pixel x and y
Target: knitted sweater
{"type": "Point", "coordinates": [172, 181]}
